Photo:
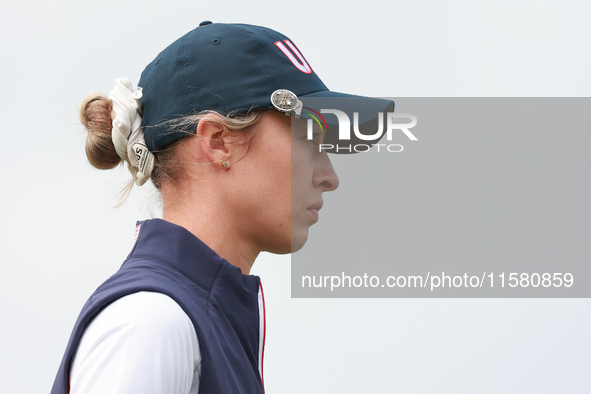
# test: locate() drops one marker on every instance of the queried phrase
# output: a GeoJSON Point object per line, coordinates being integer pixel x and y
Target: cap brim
{"type": "Point", "coordinates": [366, 115]}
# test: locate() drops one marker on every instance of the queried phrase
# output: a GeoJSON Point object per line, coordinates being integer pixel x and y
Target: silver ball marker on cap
{"type": "Point", "coordinates": [286, 101]}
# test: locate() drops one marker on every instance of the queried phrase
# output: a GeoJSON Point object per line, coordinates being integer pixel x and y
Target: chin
{"type": "Point", "coordinates": [298, 241]}
{"type": "Point", "coordinates": [285, 243]}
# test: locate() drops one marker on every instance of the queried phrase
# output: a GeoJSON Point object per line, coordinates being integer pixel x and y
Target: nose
{"type": "Point", "coordinates": [325, 176]}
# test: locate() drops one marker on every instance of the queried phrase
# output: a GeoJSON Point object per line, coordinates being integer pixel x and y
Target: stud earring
{"type": "Point", "coordinates": [225, 164]}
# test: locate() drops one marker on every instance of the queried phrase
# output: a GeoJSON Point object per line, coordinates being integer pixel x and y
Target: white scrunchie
{"type": "Point", "coordinates": [127, 133]}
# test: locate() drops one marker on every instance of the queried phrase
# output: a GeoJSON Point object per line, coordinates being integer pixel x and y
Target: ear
{"type": "Point", "coordinates": [215, 141]}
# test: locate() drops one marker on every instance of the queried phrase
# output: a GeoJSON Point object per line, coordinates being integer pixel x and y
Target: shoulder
{"type": "Point", "coordinates": [148, 312]}
{"type": "Point", "coordinates": [139, 337]}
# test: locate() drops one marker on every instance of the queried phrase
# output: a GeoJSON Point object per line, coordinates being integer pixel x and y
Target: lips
{"type": "Point", "coordinates": [317, 206]}
{"type": "Point", "coordinates": [314, 208]}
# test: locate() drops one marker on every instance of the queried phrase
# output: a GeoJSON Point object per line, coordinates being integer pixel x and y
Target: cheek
{"type": "Point", "coordinates": [301, 171]}
{"type": "Point", "coordinates": [274, 187]}
{"type": "Point", "coordinates": [301, 190]}
{"type": "Point", "coordinates": [273, 226]}
{"type": "Point", "coordinates": [299, 180]}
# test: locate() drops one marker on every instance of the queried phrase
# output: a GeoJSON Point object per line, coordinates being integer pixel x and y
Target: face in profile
{"type": "Point", "coordinates": [281, 187]}
{"type": "Point", "coordinates": [311, 175]}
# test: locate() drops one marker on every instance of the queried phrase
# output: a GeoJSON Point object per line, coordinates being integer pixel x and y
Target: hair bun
{"type": "Point", "coordinates": [95, 115]}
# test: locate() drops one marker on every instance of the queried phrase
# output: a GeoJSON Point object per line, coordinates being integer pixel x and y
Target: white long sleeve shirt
{"type": "Point", "coordinates": [141, 343]}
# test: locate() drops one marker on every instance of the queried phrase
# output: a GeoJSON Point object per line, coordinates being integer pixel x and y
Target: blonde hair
{"type": "Point", "coordinates": [96, 116]}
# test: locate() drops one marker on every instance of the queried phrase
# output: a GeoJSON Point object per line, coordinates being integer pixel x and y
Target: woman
{"type": "Point", "coordinates": [209, 127]}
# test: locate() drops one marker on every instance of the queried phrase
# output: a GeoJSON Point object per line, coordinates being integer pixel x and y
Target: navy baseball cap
{"type": "Point", "coordinates": [235, 68]}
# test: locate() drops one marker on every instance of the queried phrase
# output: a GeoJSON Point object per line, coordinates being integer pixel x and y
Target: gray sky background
{"type": "Point", "coordinates": [61, 237]}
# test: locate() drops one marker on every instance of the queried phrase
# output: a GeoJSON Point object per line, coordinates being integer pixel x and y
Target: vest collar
{"type": "Point", "coordinates": [174, 245]}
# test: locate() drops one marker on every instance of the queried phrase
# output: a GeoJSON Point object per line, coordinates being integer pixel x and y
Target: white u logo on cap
{"type": "Point", "coordinates": [301, 64]}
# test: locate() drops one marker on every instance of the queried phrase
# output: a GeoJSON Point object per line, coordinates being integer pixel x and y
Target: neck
{"type": "Point", "coordinates": [214, 228]}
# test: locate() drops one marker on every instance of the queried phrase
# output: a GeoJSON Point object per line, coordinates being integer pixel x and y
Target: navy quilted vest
{"type": "Point", "coordinates": [222, 303]}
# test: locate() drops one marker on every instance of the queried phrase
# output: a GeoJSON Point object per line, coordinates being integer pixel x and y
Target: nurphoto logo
{"type": "Point", "coordinates": [344, 130]}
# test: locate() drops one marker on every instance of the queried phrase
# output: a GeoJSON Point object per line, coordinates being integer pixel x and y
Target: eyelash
{"type": "Point", "coordinates": [314, 136]}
